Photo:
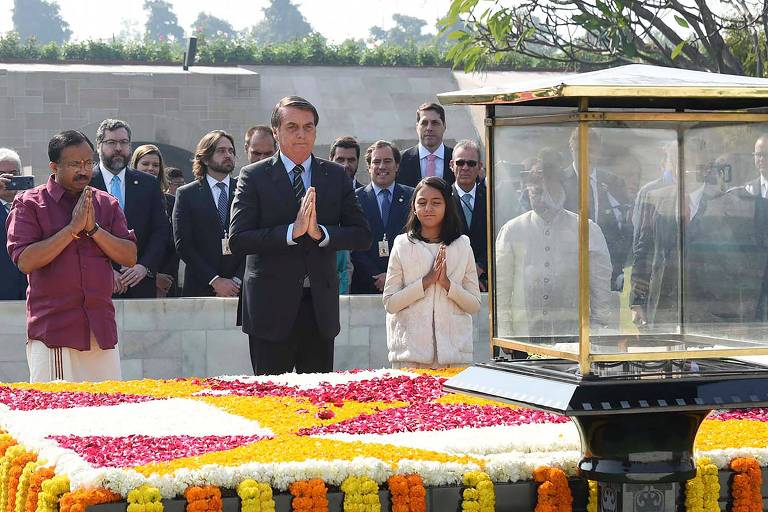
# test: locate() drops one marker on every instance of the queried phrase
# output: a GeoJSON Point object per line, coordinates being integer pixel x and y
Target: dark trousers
{"type": "Point", "coordinates": [304, 349]}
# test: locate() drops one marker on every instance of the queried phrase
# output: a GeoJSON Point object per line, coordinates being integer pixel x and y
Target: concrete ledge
{"type": "Point", "coordinates": [197, 337]}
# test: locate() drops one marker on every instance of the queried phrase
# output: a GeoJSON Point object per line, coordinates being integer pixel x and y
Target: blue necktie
{"type": "Point", "coordinates": [386, 203]}
{"type": "Point", "coordinates": [223, 204]}
{"type": "Point", "coordinates": [116, 192]}
{"type": "Point", "coordinates": [466, 205]}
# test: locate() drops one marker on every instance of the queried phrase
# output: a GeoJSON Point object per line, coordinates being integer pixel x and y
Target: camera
{"type": "Point", "coordinates": [20, 183]}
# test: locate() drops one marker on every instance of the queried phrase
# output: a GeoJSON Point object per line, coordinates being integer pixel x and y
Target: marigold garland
{"type": "Point", "coordinates": [745, 486]}
{"type": "Point", "coordinates": [361, 494]}
{"type": "Point", "coordinates": [79, 500]}
{"type": "Point", "coordinates": [5, 472]}
{"type": "Point", "coordinates": [592, 500]}
{"type": "Point", "coordinates": [553, 494]}
{"type": "Point", "coordinates": [703, 491]}
{"type": "Point", "coordinates": [23, 489]}
{"type": "Point", "coordinates": [145, 499]}
{"type": "Point", "coordinates": [203, 499]}
{"type": "Point", "coordinates": [478, 494]}
{"type": "Point", "coordinates": [36, 485]}
{"type": "Point", "coordinates": [407, 493]}
{"type": "Point", "coordinates": [255, 496]}
{"type": "Point", "coordinates": [15, 469]}
{"type": "Point", "coordinates": [309, 496]}
{"type": "Point", "coordinates": [52, 490]}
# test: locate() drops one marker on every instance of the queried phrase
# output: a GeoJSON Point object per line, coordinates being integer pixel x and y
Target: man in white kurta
{"type": "Point", "coordinates": [537, 269]}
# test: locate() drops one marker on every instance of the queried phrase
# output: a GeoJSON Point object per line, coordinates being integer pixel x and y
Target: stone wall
{"type": "Point", "coordinates": [197, 337]}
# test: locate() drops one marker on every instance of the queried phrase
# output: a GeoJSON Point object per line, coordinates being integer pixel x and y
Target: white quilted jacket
{"type": "Point", "coordinates": [419, 320]}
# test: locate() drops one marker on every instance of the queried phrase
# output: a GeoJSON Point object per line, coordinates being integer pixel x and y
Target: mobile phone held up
{"type": "Point", "coordinates": [20, 183]}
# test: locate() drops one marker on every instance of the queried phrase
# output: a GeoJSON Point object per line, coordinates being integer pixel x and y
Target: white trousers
{"type": "Point", "coordinates": [62, 363]}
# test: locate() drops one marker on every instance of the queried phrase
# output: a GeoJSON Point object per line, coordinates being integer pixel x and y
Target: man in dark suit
{"type": "Point", "coordinates": [201, 221]}
{"type": "Point", "coordinates": [386, 205]}
{"type": "Point", "coordinates": [430, 157]}
{"type": "Point", "coordinates": [290, 215]}
{"type": "Point", "coordinates": [143, 204]}
{"type": "Point", "coordinates": [13, 283]}
{"type": "Point", "coordinates": [345, 151]}
{"type": "Point", "coordinates": [469, 194]}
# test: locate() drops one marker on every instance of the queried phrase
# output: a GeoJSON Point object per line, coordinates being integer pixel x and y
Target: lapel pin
{"type": "Point", "coordinates": [400, 199]}
{"type": "Point", "coordinates": [135, 182]}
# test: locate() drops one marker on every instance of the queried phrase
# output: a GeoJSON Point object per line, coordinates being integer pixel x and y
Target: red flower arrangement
{"type": "Point", "coordinates": [203, 499]}
{"type": "Point", "coordinates": [745, 486]}
{"type": "Point", "coordinates": [78, 501]}
{"type": "Point", "coordinates": [309, 496]}
{"type": "Point", "coordinates": [408, 493]}
{"type": "Point", "coordinates": [553, 493]}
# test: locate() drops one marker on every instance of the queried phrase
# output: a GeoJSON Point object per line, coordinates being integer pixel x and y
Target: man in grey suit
{"type": "Point", "coordinates": [290, 215]}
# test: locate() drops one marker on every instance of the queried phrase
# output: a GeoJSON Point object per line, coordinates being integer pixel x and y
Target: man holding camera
{"type": "Point", "coordinates": [13, 283]}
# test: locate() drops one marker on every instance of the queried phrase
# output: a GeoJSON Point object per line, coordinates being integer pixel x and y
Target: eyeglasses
{"type": "Point", "coordinates": [469, 163]}
{"type": "Point", "coordinates": [758, 154]}
{"type": "Point", "coordinates": [115, 143]}
{"type": "Point", "coordinates": [74, 165]}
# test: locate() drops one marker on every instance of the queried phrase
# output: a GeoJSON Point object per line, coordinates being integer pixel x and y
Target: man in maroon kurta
{"type": "Point", "coordinates": [64, 235]}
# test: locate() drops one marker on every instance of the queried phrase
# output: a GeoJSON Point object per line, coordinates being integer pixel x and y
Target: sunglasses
{"type": "Point", "coordinates": [461, 163]}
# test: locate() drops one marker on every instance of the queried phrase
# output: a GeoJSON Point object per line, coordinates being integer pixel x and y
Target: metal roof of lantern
{"type": "Point", "coordinates": [631, 86]}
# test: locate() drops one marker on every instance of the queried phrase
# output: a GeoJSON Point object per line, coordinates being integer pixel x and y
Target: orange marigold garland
{"type": "Point", "coordinates": [15, 469]}
{"type": "Point", "coordinates": [203, 499]}
{"type": "Point", "coordinates": [35, 486]}
{"type": "Point", "coordinates": [553, 494]}
{"type": "Point", "coordinates": [78, 501]}
{"type": "Point", "coordinates": [309, 496]}
{"type": "Point", "coordinates": [592, 500]}
{"type": "Point", "coordinates": [745, 486]}
{"type": "Point", "coordinates": [408, 493]}
{"type": "Point", "coordinates": [24, 482]}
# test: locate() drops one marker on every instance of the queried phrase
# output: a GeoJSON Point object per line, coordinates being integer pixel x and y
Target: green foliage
{"type": "Point", "coordinates": [40, 19]}
{"type": "Point", "coordinates": [407, 31]}
{"type": "Point", "coordinates": [211, 27]}
{"type": "Point", "coordinates": [742, 45]}
{"type": "Point", "coordinates": [283, 22]}
{"type": "Point", "coordinates": [162, 24]}
{"type": "Point", "coordinates": [312, 50]}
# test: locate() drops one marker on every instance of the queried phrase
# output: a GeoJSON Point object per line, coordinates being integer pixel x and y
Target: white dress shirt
{"type": "Point", "coordinates": [215, 191]}
{"type": "Point", "coordinates": [439, 161]}
{"type": "Point", "coordinates": [763, 187]}
{"type": "Point", "coordinates": [471, 194]}
{"type": "Point", "coordinates": [5, 204]}
{"type": "Point", "coordinates": [537, 276]}
{"type": "Point", "coordinates": [108, 176]}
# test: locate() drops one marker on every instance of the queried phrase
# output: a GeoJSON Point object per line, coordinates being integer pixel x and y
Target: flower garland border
{"type": "Point", "coordinates": [553, 493]}
{"type": "Point", "coordinates": [746, 484]}
{"type": "Point", "coordinates": [203, 499]}
{"type": "Point", "coordinates": [255, 496]}
{"type": "Point", "coordinates": [51, 490]}
{"type": "Point", "coordinates": [145, 499]}
{"type": "Point", "coordinates": [40, 475]}
{"type": "Point", "coordinates": [478, 494]}
{"type": "Point", "coordinates": [361, 494]}
{"type": "Point", "coordinates": [79, 500]}
{"type": "Point", "coordinates": [407, 493]}
{"type": "Point", "coordinates": [309, 495]}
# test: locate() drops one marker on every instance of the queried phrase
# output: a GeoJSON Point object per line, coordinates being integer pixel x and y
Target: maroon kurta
{"type": "Point", "coordinates": [72, 295]}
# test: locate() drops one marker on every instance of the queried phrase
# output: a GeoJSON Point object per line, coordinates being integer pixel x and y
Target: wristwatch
{"type": "Point", "coordinates": [93, 231]}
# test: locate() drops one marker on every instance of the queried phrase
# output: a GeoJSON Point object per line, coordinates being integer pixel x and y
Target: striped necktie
{"type": "Point", "coordinates": [223, 204]}
{"type": "Point", "coordinates": [298, 183]}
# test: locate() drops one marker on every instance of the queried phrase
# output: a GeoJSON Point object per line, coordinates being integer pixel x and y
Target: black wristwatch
{"type": "Point", "coordinates": [93, 231]}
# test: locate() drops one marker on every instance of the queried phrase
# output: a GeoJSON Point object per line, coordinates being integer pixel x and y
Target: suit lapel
{"type": "Point", "coordinates": [478, 210]}
{"type": "Point", "coordinates": [283, 184]}
{"type": "Point", "coordinates": [131, 192]}
{"type": "Point", "coordinates": [319, 174]}
{"type": "Point", "coordinates": [397, 212]}
{"type": "Point", "coordinates": [97, 180]}
{"type": "Point", "coordinates": [207, 202]}
{"type": "Point", "coordinates": [371, 207]}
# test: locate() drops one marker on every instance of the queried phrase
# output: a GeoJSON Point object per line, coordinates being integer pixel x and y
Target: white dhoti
{"type": "Point", "coordinates": [63, 363]}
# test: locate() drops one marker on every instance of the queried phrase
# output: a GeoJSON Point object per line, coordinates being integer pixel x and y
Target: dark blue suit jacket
{"type": "Point", "coordinates": [145, 213]}
{"type": "Point", "coordinates": [13, 284]}
{"type": "Point", "coordinates": [368, 263]}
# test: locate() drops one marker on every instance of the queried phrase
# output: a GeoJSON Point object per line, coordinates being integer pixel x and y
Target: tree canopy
{"type": "Point", "coordinates": [282, 22]}
{"type": "Point", "coordinates": [407, 30]}
{"type": "Point", "coordinates": [691, 35]}
{"type": "Point", "coordinates": [210, 26]}
{"type": "Point", "coordinates": [162, 24]}
{"type": "Point", "coordinates": [40, 19]}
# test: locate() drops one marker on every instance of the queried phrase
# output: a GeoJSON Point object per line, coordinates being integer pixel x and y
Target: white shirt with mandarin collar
{"type": "Point", "coordinates": [763, 187]}
{"type": "Point", "coordinates": [439, 161]}
{"type": "Point", "coordinates": [471, 193]}
{"type": "Point", "coordinates": [379, 198]}
{"type": "Point", "coordinates": [306, 177]}
{"type": "Point", "coordinates": [108, 177]}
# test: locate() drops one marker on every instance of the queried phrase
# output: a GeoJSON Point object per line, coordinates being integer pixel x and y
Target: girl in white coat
{"type": "Point", "coordinates": [431, 289]}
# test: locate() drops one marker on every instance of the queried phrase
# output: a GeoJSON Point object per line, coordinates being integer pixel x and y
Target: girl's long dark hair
{"type": "Point", "coordinates": [451, 228]}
